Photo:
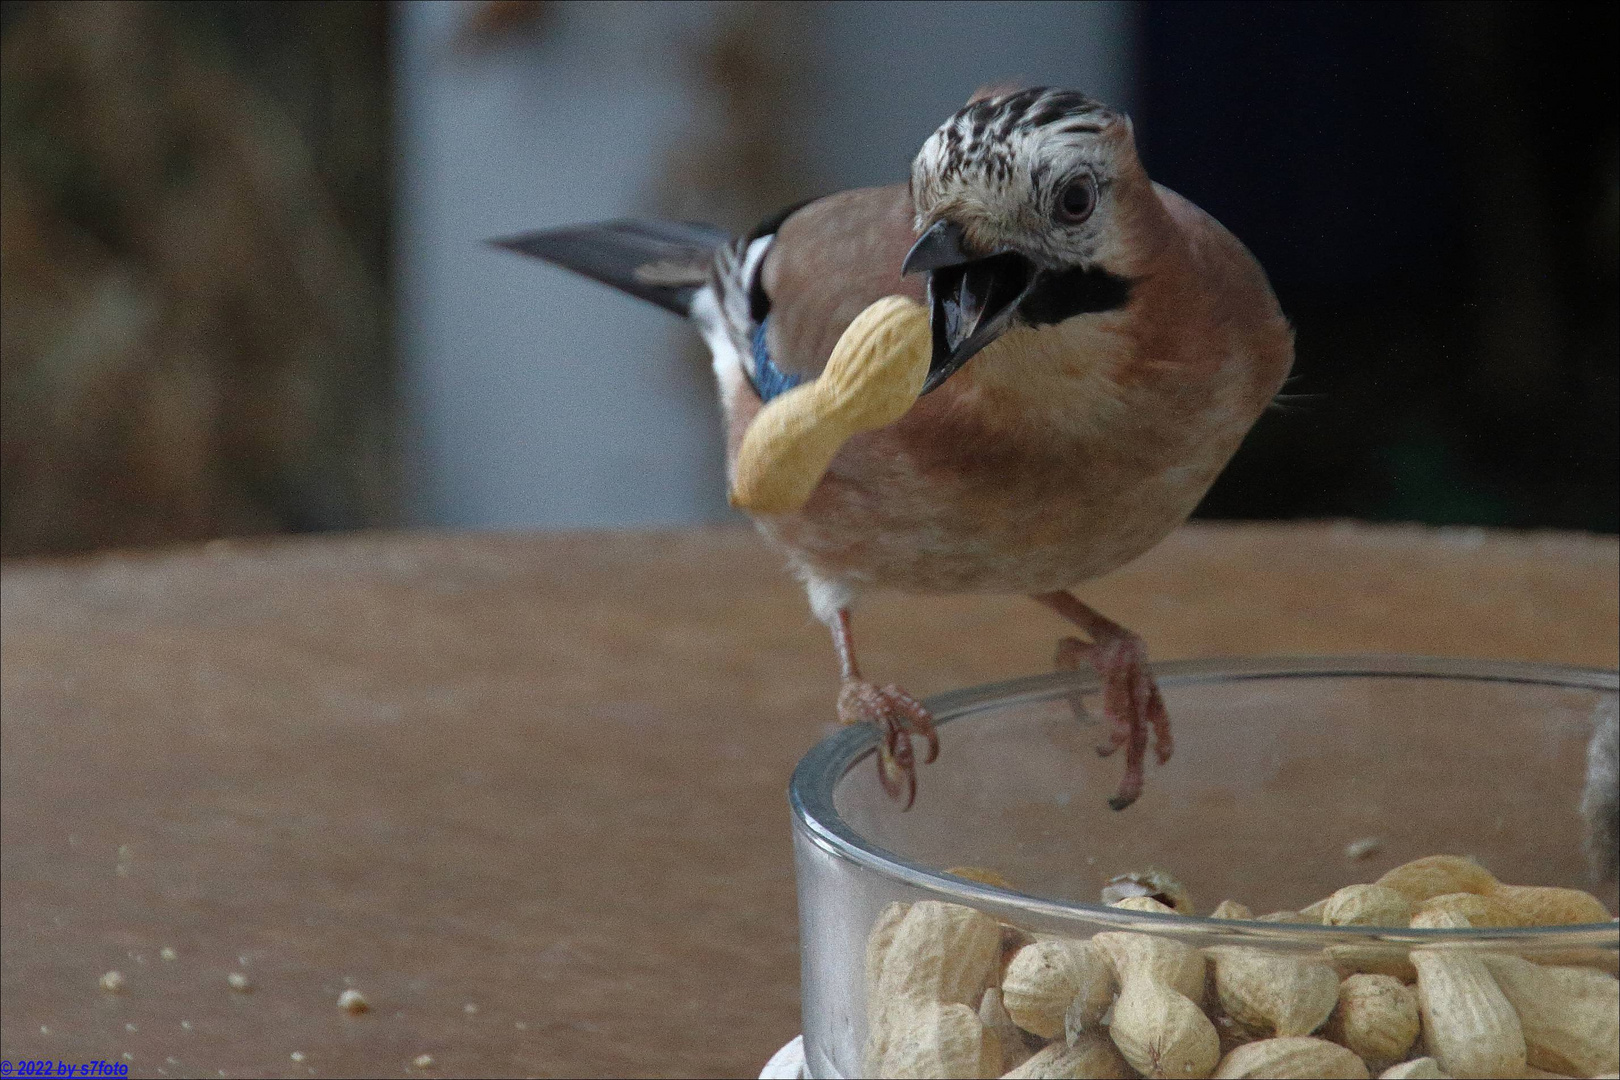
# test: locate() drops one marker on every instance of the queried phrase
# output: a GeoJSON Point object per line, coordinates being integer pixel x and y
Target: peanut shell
{"type": "Point", "coordinates": [1049, 976]}
{"type": "Point", "coordinates": [940, 952]}
{"type": "Point", "coordinates": [1367, 905]}
{"type": "Point", "coordinates": [1376, 1018]}
{"type": "Point", "coordinates": [1176, 965]}
{"type": "Point", "coordinates": [931, 1039]}
{"type": "Point", "coordinates": [1313, 912]}
{"type": "Point", "coordinates": [935, 953]}
{"type": "Point", "coordinates": [1291, 1057]}
{"type": "Point", "coordinates": [878, 942]}
{"type": "Point", "coordinates": [1161, 1033]}
{"type": "Point", "coordinates": [1391, 960]}
{"type": "Point", "coordinates": [1273, 994]}
{"type": "Point", "coordinates": [1468, 1025]}
{"type": "Point", "coordinates": [1423, 1068]}
{"type": "Point", "coordinates": [1370, 905]}
{"type": "Point", "coordinates": [1433, 875]}
{"type": "Point", "coordinates": [1480, 909]}
{"type": "Point", "coordinates": [1284, 917]}
{"type": "Point", "coordinates": [1090, 1056]}
{"type": "Point", "coordinates": [1548, 905]}
{"type": "Point", "coordinates": [993, 1015]}
{"type": "Point", "coordinates": [1143, 903]}
{"type": "Point", "coordinates": [1570, 1015]}
{"type": "Point", "coordinates": [1160, 885]}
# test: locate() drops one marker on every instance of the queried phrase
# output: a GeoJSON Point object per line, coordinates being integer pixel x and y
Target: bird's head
{"type": "Point", "coordinates": [1018, 201]}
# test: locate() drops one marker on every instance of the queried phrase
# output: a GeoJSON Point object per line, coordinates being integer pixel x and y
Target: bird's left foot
{"type": "Point", "coordinates": [899, 716]}
{"type": "Point", "coordinates": [1131, 701]}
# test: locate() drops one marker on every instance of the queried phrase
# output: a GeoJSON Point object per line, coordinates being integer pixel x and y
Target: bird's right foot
{"type": "Point", "coordinates": [1131, 702]}
{"type": "Point", "coordinates": [898, 716]}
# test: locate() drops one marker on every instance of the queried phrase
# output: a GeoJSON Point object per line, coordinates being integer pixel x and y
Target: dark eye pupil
{"type": "Point", "coordinates": [1076, 201]}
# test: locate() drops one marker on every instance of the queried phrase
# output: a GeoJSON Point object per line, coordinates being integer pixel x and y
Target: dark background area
{"type": "Point", "coordinates": [197, 295]}
{"type": "Point", "coordinates": [1432, 188]}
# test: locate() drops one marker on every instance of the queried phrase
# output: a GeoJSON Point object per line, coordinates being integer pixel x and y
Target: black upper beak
{"type": "Point", "coordinates": [944, 244]}
{"type": "Point", "coordinates": [971, 298]}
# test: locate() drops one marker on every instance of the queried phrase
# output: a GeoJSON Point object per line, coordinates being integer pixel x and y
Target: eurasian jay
{"type": "Point", "coordinates": [1122, 344]}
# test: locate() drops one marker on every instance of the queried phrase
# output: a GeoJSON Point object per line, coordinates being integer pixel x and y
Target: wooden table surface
{"type": "Point", "coordinates": [526, 793]}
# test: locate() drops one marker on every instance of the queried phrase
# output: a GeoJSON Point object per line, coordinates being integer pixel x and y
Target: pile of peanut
{"type": "Point", "coordinates": [951, 992]}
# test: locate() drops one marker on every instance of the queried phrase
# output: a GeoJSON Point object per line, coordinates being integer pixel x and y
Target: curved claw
{"type": "Point", "coordinates": [1131, 702]}
{"type": "Point", "coordinates": [897, 772]}
{"type": "Point", "coordinates": [914, 717]}
{"type": "Point", "coordinates": [899, 717]}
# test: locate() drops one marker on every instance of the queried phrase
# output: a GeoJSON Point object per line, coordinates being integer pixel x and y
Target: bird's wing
{"type": "Point", "coordinates": [828, 261]}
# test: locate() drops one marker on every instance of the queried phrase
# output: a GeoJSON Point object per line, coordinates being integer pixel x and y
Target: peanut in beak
{"type": "Point", "coordinates": [874, 375]}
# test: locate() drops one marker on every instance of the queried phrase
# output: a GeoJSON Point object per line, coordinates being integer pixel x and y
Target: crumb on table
{"type": "Point", "coordinates": [1364, 848]}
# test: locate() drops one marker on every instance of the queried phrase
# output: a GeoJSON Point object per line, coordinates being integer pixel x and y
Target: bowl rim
{"type": "Point", "coordinates": [815, 817]}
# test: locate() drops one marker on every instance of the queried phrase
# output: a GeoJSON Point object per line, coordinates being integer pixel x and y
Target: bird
{"type": "Point", "coordinates": [1100, 347]}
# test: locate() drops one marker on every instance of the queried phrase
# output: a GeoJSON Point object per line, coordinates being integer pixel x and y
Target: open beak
{"type": "Point", "coordinates": [971, 298]}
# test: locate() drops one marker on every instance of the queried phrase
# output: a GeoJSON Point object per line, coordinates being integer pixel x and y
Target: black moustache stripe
{"type": "Point", "coordinates": [1060, 296]}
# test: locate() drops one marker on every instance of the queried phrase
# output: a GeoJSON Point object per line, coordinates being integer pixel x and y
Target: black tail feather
{"type": "Point", "coordinates": [663, 262]}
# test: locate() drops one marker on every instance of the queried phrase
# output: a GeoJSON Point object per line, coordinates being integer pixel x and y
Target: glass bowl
{"type": "Point", "coordinates": [1291, 779]}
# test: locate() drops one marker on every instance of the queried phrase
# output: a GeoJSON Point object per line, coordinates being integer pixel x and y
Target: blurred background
{"type": "Point", "coordinates": [244, 289]}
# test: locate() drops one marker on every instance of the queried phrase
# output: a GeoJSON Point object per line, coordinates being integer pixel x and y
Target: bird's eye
{"type": "Point", "coordinates": [1077, 201]}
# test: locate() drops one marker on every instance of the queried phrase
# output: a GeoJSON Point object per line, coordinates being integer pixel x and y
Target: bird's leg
{"type": "Point", "coordinates": [1131, 698]}
{"type": "Point", "coordinates": [896, 713]}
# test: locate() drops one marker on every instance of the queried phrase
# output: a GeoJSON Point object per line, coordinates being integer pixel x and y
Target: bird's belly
{"type": "Point", "coordinates": [984, 534]}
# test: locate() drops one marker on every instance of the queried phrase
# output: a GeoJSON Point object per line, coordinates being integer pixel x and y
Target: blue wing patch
{"type": "Point", "coordinates": [769, 380]}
